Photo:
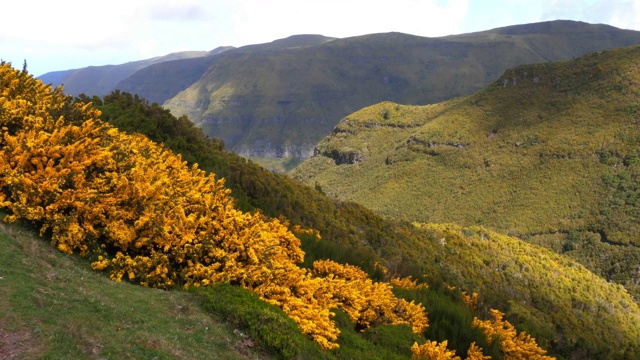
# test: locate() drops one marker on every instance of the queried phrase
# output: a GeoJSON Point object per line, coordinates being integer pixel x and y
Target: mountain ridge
{"type": "Point", "coordinates": [101, 80]}
{"type": "Point", "coordinates": [268, 104]}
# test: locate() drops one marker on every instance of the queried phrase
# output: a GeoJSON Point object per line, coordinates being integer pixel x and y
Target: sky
{"type": "Point", "coordinates": [69, 34]}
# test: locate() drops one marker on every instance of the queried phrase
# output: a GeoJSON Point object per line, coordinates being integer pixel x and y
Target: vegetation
{"type": "Point", "coordinates": [549, 302]}
{"type": "Point", "coordinates": [535, 288]}
{"type": "Point", "coordinates": [98, 191]}
{"type": "Point", "coordinates": [547, 153]}
{"type": "Point", "coordinates": [143, 213]}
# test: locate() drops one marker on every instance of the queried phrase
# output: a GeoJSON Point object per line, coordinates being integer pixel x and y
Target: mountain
{"type": "Point", "coordinates": [279, 103]}
{"type": "Point", "coordinates": [159, 79]}
{"type": "Point", "coordinates": [549, 152]}
{"type": "Point", "coordinates": [101, 80]}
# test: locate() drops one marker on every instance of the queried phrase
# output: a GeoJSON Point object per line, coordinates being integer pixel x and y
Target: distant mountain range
{"type": "Point", "coordinates": [277, 100]}
{"type": "Point", "coordinates": [101, 80]}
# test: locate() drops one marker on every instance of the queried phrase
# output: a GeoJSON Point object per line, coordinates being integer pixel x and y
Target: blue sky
{"type": "Point", "coordinates": [68, 34]}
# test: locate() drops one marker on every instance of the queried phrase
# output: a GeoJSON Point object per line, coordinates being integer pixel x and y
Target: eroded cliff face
{"type": "Point", "coordinates": [275, 137]}
{"type": "Point", "coordinates": [264, 149]}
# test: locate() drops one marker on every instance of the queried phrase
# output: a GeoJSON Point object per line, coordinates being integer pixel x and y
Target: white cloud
{"type": "Point", "coordinates": [623, 14]}
{"type": "Point", "coordinates": [269, 20]}
{"type": "Point", "coordinates": [178, 10]}
{"type": "Point", "coordinates": [65, 23]}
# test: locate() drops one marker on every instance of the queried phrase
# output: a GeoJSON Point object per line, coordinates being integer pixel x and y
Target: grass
{"type": "Point", "coordinates": [278, 165]}
{"type": "Point", "coordinates": [54, 306]}
{"type": "Point", "coordinates": [265, 322]}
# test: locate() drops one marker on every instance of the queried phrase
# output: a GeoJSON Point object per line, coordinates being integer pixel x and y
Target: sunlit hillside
{"type": "Point", "coordinates": [547, 152]}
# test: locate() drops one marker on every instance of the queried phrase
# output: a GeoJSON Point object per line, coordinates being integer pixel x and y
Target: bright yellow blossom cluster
{"type": "Point", "coordinates": [407, 283]}
{"type": "Point", "coordinates": [367, 303]}
{"type": "Point", "coordinates": [149, 218]}
{"type": "Point", "coordinates": [470, 300]}
{"type": "Point", "coordinates": [512, 345]}
{"type": "Point", "coordinates": [433, 350]}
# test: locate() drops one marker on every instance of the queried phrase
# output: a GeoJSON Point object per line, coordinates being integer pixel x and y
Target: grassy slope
{"type": "Point", "coordinates": [528, 159]}
{"type": "Point", "coordinates": [54, 306]}
{"type": "Point", "coordinates": [280, 103]}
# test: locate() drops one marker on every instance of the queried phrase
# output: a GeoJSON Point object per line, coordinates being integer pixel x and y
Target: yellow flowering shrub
{"type": "Point", "coordinates": [431, 350]}
{"type": "Point", "coordinates": [470, 300]}
{"type": "Point", "coordinates": [512, 345]}
{"type": "Point", "coordinates": [148, 218]}
{"type": "Point", "coordinates": [475, 353]}
{"type": "Point", "coordinates": [368, 303]}
{"type": "Point", "coordinates": [407, 284]}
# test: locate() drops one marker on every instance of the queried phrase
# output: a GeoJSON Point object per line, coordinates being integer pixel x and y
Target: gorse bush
{"type": "Point", "coordinates": [149, 218]}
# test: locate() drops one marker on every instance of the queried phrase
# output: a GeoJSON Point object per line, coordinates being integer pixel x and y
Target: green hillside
{"type": "Point", "coordinates": [513, 277]}
{"type": "Point", "coordinates": [548, 153]}
{"type": "Point", "coordinates": [279, 104]}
